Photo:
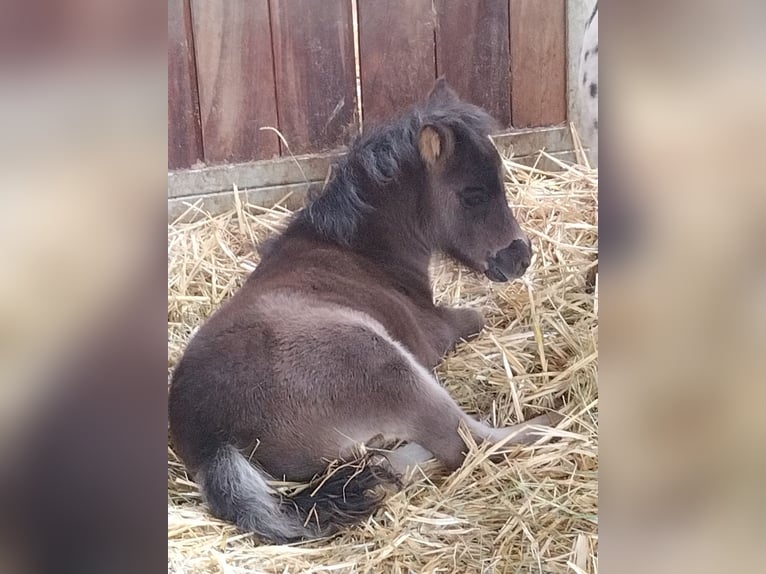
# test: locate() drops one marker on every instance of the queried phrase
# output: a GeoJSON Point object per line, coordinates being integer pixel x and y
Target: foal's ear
{"type": "Point", "coordinates": [442, 93]}
{"type": "Point", "coordinates": [435, 143]}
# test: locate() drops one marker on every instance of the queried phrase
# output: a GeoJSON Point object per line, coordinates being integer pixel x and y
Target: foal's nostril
{"type": "Point", "coordinates": [510, 262]}
{"type": "Point", "coordinates": [522, 253]}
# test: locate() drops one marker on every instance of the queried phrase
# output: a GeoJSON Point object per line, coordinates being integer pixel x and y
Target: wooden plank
{"type": "Point", "coordinates": [397, 55]}
{"type": "Point", "coordinates": [194, 207]}
{"type": "Point", "coordinates": [538, 62]}
{"type": "Point", "coordinates": [236, 79]}
{"type": "Point", "coordinates": [191, 208]}
{"type": "Point", "coordinates": [255, 174]}
{"type": "Point", "coordinates": [315, 73]}
{"type": "Point", "coordinates": [532, 141]}
{"type": "Point", "coordinates": [315, 167]}
{"type": "Point", "coordinates": [184, 132]}
{"type": "Point", "coordinates": [472, 51]}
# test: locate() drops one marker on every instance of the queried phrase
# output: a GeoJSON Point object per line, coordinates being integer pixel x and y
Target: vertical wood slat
{"type": "Point", "coordinates": [184, 132]}
{"type": "Point", "coordinates": [538, 62]}
{"type": "Point", "coordinates": [312, 99]}
{"type": "Point", "coordinates": [396, 51]}
{"type": "Point", "coordinates": [315, 73]}
{"type": "Point", "coordinates": [236, 79]}
{"type": "Point", "coordinates": [472, 51]}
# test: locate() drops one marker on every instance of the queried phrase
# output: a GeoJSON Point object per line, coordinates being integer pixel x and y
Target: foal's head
{"type": "Point", "coordinates": [470, 216]}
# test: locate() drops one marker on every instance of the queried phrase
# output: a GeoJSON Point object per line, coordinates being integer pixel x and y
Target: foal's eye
{"type": "Point", "coordinates": [473, 196]}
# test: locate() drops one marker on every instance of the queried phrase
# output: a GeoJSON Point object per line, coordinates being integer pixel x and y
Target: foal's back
{"type": "Point", "coordinates": [393, 295]}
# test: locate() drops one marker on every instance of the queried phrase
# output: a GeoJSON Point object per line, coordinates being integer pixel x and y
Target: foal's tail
{"type": "Point", "coordinates": [237, 491]}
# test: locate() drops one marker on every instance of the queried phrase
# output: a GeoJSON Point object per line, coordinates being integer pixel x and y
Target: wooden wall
{"type": "Point", "coordinates": [239, 66]}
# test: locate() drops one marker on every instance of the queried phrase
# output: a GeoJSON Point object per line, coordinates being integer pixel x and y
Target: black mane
{"type": "Point", "coordinates": [379, 159]}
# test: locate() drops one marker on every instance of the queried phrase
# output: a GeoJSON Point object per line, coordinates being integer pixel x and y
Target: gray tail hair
{"type": "Point", "coordinates": [237, 491]}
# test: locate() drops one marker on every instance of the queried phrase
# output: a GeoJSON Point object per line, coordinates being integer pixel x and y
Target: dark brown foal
{"type": "Point", "coordinates": [330, 342]}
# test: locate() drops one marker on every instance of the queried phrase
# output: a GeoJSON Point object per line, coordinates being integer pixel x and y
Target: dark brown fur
{"type": "Point", "coordinates": [331, 340]}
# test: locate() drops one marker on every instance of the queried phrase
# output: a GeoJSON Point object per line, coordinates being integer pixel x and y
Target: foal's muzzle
{"type": "Point", "coordinates": [509, 263]}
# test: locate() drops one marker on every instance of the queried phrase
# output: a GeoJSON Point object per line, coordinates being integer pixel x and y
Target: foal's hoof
{"type": "Point", "coordinates": [467, 322]}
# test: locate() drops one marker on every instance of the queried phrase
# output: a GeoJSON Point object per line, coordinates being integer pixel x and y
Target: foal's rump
{"type": "Point", "coordinates": [293, 379]}
{"type": "Point", "coordinates": [278, 390]}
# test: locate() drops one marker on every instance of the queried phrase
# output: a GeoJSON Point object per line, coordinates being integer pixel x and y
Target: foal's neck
{"type": "Point", "coordinates": [393, 236]}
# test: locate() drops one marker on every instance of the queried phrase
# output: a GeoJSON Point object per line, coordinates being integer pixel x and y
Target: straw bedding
{"type": "Point", "coordinates": [534, 512]}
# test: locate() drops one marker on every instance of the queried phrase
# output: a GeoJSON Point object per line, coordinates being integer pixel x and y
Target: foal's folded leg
{"type": "Point", "coordinates": [421, 411]}
{"type": "Point", "coordinates": [412, 456]}
{"type": "Point", "coordinates": [391, 393]}
{"type": "Point", "coordinates": [439, 418]}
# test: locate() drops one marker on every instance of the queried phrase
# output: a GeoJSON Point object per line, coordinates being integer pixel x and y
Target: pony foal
{"type": "Point", "coordinates": [331, 340]}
